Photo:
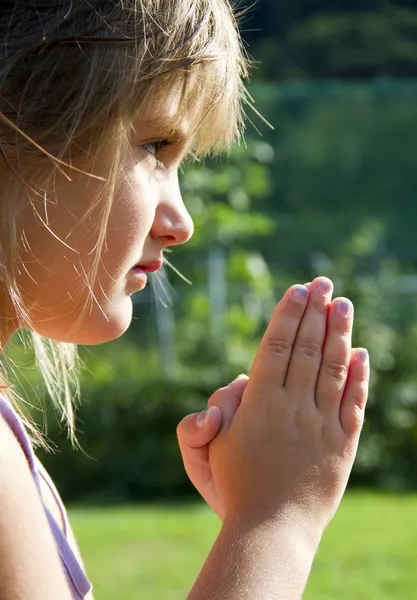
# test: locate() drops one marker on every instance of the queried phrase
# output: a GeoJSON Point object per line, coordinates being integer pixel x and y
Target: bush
{"type": "Point", "coordinates": [129, 445]}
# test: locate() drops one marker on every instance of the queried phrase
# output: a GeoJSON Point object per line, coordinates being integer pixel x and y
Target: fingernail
{"type": "Point", "coordinates": [344, 308]}
{"type": "Point", "coordinates": [202, 419]}
{"type": "Point", "coordinates": [363, 356]}
{"type": "Point", "coordinates": [299, 293]}
{"type": "Point", "coordinates": [237, 378]}
{"type": "Point", "coordinates": [325, 286]}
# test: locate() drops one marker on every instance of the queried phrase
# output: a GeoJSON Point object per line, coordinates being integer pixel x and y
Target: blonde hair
{"type": "Point", "coordinates": [73, 75]}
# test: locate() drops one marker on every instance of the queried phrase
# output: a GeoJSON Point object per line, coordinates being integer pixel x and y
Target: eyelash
{"type": "Point", "coordinates": [157, 145]}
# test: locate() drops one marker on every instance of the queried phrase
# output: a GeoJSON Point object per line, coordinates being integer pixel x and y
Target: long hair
{"type": "Point", "coordinates": [73, 75]}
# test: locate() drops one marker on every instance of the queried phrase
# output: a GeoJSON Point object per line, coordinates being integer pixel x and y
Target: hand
{"type": "Point", "coordinates": [197, 430]}
{"type": "Point", "coordinates": [288, 452]}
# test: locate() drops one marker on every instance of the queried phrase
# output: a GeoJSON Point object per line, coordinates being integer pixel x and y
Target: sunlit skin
{"type": "Point", "coordinates": [147, 215]}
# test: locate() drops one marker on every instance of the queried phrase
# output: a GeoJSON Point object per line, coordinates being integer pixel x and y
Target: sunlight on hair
{"type": "Point", "coordinates": [180, 275]}
{"type": "Point", "coordinates": [161, 286]}
{"type": "Point", "coordinates": [97, 69]}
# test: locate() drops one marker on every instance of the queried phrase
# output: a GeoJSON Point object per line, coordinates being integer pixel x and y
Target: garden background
{"type": "Point", "coordinates": [331, 190]}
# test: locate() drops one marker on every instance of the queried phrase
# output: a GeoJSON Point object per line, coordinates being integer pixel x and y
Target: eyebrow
{"type": "Point", "coordinates": [168, 126]}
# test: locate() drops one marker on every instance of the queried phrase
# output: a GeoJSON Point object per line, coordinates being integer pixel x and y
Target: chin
{"type": "Point", "coordinates": [96, 328]}
{"type": "Point", "coordinates": [100, 329]}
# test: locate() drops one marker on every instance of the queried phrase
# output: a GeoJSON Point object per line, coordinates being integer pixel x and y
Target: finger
{"type": "Point", "coordinates": [270, 366]}
{"type": "Point", "coordinates": [306, 358]}
{"type": "Point", "coordinates": [356, 393]}
{"type": "Point", "coordinates": [228, 399]}
{"type": "Point", "coordinates": [196, 459]}
{"type": "Point", "coordinates": [199, 429]}
{"type": "Point", "coordinates": [336, 356]}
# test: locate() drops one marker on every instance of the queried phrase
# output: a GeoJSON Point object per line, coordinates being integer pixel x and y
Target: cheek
{"type": "Point", "coordinates": [50, 269]}
{"type": "Point", "coordinates": [52, 279]}
{"type": "Point", "coordinates": [130, 221]}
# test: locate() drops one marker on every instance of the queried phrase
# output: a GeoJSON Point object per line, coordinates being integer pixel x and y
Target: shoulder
{"type": "Point", "coordinates": [30, 565]}
{"type": "Point", "coordinates": [58, 510]}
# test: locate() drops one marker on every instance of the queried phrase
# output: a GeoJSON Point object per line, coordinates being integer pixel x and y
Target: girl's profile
{"type": "Point", "coordinates": [101, 102]}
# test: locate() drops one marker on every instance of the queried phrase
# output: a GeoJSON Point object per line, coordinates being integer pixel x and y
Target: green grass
{"type": "Point", "coordinates": [368, 552]}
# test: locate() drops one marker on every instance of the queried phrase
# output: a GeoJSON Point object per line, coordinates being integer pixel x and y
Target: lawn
{"type": "Point", "coordinates": [369, 551]}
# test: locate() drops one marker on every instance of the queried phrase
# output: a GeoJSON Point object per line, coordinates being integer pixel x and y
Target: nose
{"type": "Point", "coordinates": [173, 224]}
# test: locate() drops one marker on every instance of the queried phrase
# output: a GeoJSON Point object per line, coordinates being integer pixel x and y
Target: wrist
{"type": "Point", "coordinates": [258, 558]}
{"type": "Point", "coordinates": [288, 526]}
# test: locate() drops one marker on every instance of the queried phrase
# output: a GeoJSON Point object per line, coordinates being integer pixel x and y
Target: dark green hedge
{"type": "Point", "coordinates": [127, 432]}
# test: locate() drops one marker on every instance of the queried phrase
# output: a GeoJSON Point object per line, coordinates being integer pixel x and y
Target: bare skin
{"type": "Point", "coordinates": [277, 468]}
{"type": "Point", "coordinates": [282, 459]}
{"type": "Point", "coordinates": [285, 433]}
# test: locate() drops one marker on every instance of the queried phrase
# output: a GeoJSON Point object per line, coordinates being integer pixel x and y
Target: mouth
{"type": "Point", "coordinates": [150, 267]}
{"type": "Point", "coordinates": [139, 273]}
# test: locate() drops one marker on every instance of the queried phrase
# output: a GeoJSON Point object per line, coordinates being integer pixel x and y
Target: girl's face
{"type": "Point", "coordinates": [59, 238]}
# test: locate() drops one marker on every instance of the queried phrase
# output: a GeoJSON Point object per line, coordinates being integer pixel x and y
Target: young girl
{"type": "Point", "coordinates": [100, 102]}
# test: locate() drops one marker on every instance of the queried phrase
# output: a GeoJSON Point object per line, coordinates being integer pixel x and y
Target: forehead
{"type": "Point", "coordinates": [173, 109]}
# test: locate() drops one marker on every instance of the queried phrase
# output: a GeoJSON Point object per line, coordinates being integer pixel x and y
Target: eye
{"type": "Point", "coordinates": [154, 148]}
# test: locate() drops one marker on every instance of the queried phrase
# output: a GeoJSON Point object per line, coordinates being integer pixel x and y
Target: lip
{"type": "Point", "coordinates": [151, 267]}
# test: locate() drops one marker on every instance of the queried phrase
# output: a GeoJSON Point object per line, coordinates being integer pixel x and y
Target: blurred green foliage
{"type": "Point", "coordinates": [331, 191]}
{"type": "Point", "coordinates": [317, 39]}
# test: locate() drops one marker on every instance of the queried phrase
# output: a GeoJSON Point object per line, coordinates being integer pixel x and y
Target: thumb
{"type": "Point", "coordinates": [199, 429]}
{"type": "Point", "coordinates": [228, 399]}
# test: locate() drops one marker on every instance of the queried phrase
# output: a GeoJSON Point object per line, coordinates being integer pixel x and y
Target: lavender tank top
{"type": "Point", "coordinates": [77, 579]}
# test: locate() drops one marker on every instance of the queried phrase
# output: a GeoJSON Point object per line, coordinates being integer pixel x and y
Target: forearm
{"type": "Point", "coordinates": [263, 562]}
